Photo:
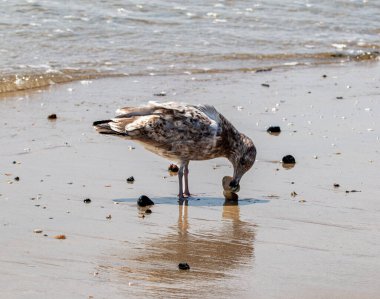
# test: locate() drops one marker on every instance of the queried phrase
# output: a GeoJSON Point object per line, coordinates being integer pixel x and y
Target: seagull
{"type": "Point", "coordinates": [182, 132]}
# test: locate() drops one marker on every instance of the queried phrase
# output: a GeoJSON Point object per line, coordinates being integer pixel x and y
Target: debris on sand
{"type": "Point", "coordinates": [336, 185]}
{"type": "Point", "coordinates": [352, 191]}
{"type": "Point", "coordinates": [87, 200]}
{"type": "Point", "coordinates": [274, 130]}
{"type": "Point", "coordinates": [294, 194]}
{"type": "Point", "coordinates": [288, 159]}
{"type": "Point", "coordinates": [52, 116]}
{"type": "Point", "coordinates": [144, 201]}
{"type": "Point", "coordinates": [160, 94]}
{"type": "Point", "coordinates": [17, 178]}
{"type": "Point", "coordinates": [265, 85]}
{"type": "Point", "coordinates": [173, 168]}
{"type": "Point", "coordinates": [38, 231]}
{"type": "Point", "coordinates": [109, 217]}
{"type": "Point", "coordinates": [60, 237]}
{"type": "Point", "coordinates": [183, 266]}
{"type": "Point", "coordinates": [130, 180]}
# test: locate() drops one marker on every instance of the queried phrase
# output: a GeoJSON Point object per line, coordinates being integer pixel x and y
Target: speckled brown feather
{"type": "Point", "coordinates": [182, 132]}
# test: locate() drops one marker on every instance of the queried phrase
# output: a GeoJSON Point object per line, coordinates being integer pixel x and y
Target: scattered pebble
{"type": "Point", "coordinates": [173, 168]}
{"type": "Point", "coordinates": [160, 94]}
{"type": "Point", "coordinates": [60, 237]}
{"type": "Point", "coordinates": [17, 178]}
{"type": "Point", "coordinates": [109, 217]}
{"type": "Point", "coordinates": [38, 231]}
{"type": "Point", "coordinates": [52, 116]}
{"type": "Point", "coordinates": [87, 200]}
{"type": "Point", "coordinates": [302, 201]}
{"type": "Point", "coordinates": [183, 266]}
{"type": "Point", "coordinates": [339, 98]}
{"type": "Point", "coordinates": [265, 85]}
{"type": "Point", "coordinates": [144, 201]}
{"type": "Point", "coordinates": [352, 191]}
{"type": "Point", "coordinates": [336, 185]}
{"type": "Point", "coordinates": [130, 180]}
{"type": "Point", "coordinates": [288, 159]}
{"type": "Point", "coordinates": [324, 76]}
{"type": "Point", "coordinates": [274, 130]}
{"type": "Point", "coordinates": [294, 194]}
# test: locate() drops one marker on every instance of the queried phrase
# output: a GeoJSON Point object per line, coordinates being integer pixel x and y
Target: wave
{"type": "Point", "coordinates": [19, 81]}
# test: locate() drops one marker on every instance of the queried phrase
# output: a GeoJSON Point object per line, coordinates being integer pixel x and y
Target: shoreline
{"type": "Point", "coordinates": [320, 243]}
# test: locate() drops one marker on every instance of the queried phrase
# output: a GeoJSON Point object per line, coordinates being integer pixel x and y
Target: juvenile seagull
{"type": "Point", "coordinates": [181, 133]}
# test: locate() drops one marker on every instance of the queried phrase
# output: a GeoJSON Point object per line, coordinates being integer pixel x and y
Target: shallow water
{"type": "Point", "coordinates": [46, 42]}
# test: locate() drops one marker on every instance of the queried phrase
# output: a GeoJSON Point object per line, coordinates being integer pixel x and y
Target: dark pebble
{"type": "Point", "coordinates": [148, 211]}
{"type": "Point", "coordinates": [263, 70]}
{"type": "Point", "coordinates": [131, 179]}
{"type": "Point", "coordinates": [288, 159]}
{"type": "Point", "coordinates": [173, 168]}
{"type": "Point", "coordinates": [274, 129]}
{"type": "Point", "coordinates": [144, 201]}
{"type": "Point", "coordinates": [14, 162]}
{"type": "Point", "coordinates": [52, 116]}
{"type": "Point", "coordinates": [324, 76]}
{"type": "Point", "coordinates": [160, 94]}
{"type": "Point", "coordinates": [183, 266]}
{"type": "Point", "coordinates": [17, 178]}
{"type": "Point", "coordinates": [87, 200]}
{"type": "Point", "coordinates": [265, 85]}
{"type": "Point", "coordinates": [336, 185]}
{"type": "Point", "coordinates": [339, 98]}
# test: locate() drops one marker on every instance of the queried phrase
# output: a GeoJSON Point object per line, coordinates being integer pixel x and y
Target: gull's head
{"type": "Point", "coordinates": [242, 159]}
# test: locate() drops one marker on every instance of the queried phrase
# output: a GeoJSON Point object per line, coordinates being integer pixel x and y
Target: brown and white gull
{"type": "Point", "coordinates": [181, 133]}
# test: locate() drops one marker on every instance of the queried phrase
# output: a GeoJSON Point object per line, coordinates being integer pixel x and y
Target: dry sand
{"type": "Point", "coordinates": [322, 243]}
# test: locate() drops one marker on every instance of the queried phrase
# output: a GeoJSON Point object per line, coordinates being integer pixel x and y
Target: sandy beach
{"type": "Point", "coordinates": [292, 234]}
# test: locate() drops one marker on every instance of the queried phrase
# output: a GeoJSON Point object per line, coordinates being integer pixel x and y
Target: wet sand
{"type": "Point", "coordinates": [321, 243]}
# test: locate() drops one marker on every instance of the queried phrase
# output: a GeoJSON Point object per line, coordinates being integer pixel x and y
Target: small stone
{"type": "Point", "coordinates": [265, 85]}
{"type": "Point", "coordinates": [302, 201]}
{"type": "Point", "coordinates": [339, 98]}
{"type": "Point", "coordinates": [160, 94]}
{"type": "Point", "coordinates": [288, 159]}
{"type": "Point", "coordinates": [336, 185]}
{"type": "Point", "coordinates": [183, 266]}
{"type": "Point", "coordinates": [17, 178]}
{"type": "Point", "coordinates": [38, 231]}
{"type": "Point", "coordinates": [52, 116]}
{"type": "Point", "coordinates": [173, 168]}
{"type": "Point", "coordinates": [144, 201]}
{"type": "Point", "coordinates": [109, 217]}
{"type": "Point", "coordinates": [14, 162]}
{"type": "Point", "coordinates": [130, 180]}
{"type": "Point", "coordinates": [274, 129]}
{"type": "Point", "coordinates": [294, 194]}
{"type": "Point", "coordinates": [60, 237]}
{"type": "Point", "coordinates": [324, 76]}
{"type": "Point", "coordinates": [87, 200]}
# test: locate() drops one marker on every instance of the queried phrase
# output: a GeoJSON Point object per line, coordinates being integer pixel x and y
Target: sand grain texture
{"type": "Point", "coordinates": [268, 245]}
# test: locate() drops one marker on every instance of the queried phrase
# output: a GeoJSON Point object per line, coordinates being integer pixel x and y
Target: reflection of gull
{"type": "Point", "coordinates": [216, 256]}
{"type": "Point", "coordinates": [182, 133]}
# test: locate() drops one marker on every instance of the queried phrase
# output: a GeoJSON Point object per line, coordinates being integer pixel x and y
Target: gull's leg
{"type": "Point", "coordinates": [180, 176]}
{"type": "Point", "coordinates": [186, 173]}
